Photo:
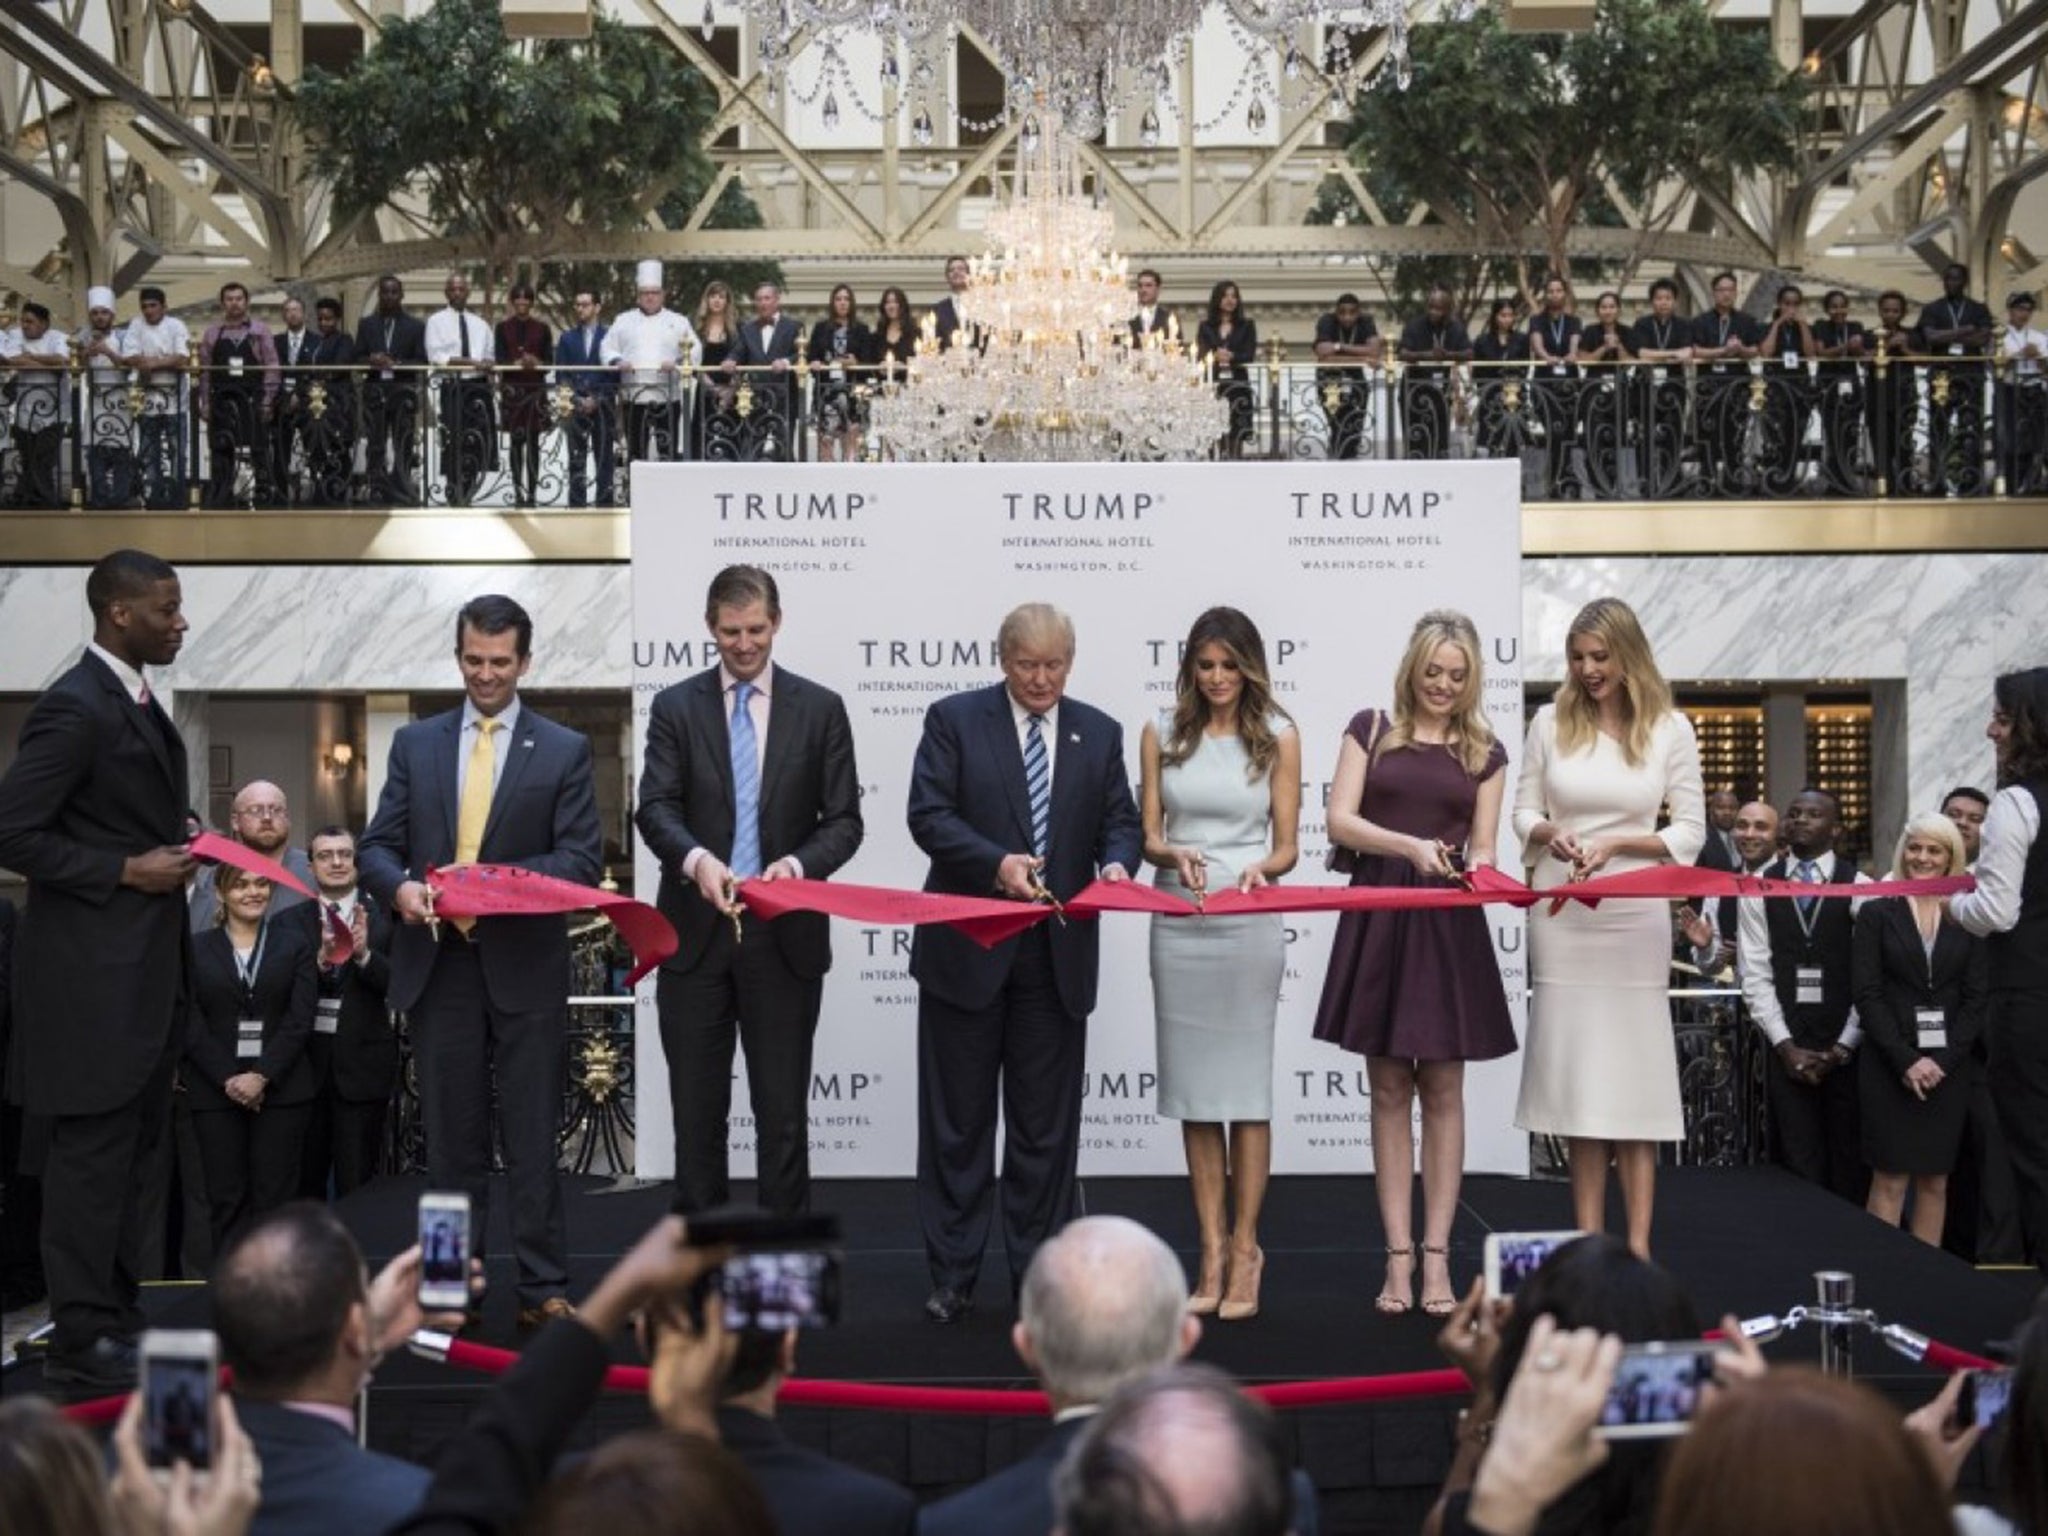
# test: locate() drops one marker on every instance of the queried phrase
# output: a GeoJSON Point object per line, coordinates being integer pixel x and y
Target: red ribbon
{"type": "Point", "coordinates": [505, 890]}
{"type": "Point", "coordinates": [212, 848]}
{"type": "Point", "coordinates": [989, 920]}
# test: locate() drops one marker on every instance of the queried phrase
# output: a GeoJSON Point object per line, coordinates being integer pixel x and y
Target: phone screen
{"type": "Point", "coordinates": [1512, 1257]}
{"type": "Point", "coordinates": [444, 1254]}
{"type": "Point", "coordinates": [770, 1291]}
{"type": "Point", "coordinates": [1986, 1396]}
{"type": "Point", "coordinates": [1657, 1389]}
{"type": "Point", "coordinates": [177, 1417]}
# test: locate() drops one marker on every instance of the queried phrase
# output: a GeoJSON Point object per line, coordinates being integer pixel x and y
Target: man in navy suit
{"type": "Point", "coordinates": [302, 1327]}
{"type": "Point", "coordinates": [1016, 791]}
{"type": "Point", "coordinates": [93, 813]}
{"type": "Point", "coordinates": [594, 393]}
{"type": "Point", "coordinates": [496, 991]}
{"type": "Point", "coordinates": [748, 734]}
{"type": "Point", "coordinates": [769, 341]}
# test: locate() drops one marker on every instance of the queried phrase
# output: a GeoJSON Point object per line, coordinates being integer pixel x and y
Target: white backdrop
{"type": "Point", "coordinates": [893, 580]}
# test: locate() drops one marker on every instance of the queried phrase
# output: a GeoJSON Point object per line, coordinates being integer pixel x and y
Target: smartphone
{"type": "Point", "coordinates": [444, 1252]}
{"type": "Point", "coordinates": [1657, 1389]}
{"type": "Point", "coordinates": [1512, 1257]}
{"type": "Point", "coordinates": [180, 1379]}
{"type": "Point", "coordinates": [770, 1290]}
{"type": "Point", "coordinates": [1984, 1398]}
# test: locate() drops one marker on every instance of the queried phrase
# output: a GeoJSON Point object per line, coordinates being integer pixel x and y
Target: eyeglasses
{"type": "Point", "coordinates": [263, 812]}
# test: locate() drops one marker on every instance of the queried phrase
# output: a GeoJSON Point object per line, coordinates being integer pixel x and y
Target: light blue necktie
{"type": "Point", "coordinates": [1809, 874]}
{"type": "Point", "coordinates": [746, 787]}
{"type": "Point", "coordinates": [1038, 781]}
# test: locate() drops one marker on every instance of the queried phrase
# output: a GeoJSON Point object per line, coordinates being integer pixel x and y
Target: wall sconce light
{"type": "Point", "coordinates": [262, 78]}
{"type": "Point", "coordinates": [339, 759]}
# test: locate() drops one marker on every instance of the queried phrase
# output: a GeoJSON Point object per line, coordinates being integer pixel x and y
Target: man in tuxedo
{"type": "Point", "coordinates": [491, 782]}
{"type": "Point", "coordinates": [302, 1327]}
{"type": "Point", "coordinates": [803, 1490]}
{"type": "Point", "coordinates": [769, 341]}
{"type": "Point", "coordinates": [1104, 1304]}
{"type": "Point", "coordinates": [353, 1051]}
{"type": "Point", "coordinates": [1151, 317]}
{"type": "Point", "coordinates": [1718, 851]}
{"type": "Point", "coordinates": [93, 813]}
{"type": "Point", "coordinates": [749, 774]}
{"type": "Point", "coordinates": [593, 398]}
{"type": "Point", "coordinates": [1794, 961]}
{"type": "Point", "coordinates": [394, 345]}
{"type": "Point", "coordinates": [950, 315]}
{"type": "Point", "coordinates": [1017, 791]}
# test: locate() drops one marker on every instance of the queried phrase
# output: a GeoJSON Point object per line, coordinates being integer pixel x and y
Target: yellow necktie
{"type": "Point", "coordinates": [475, 809]}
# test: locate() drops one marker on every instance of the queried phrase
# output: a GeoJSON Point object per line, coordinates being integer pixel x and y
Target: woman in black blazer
{"type": "Point", "coordinates": [248, 1080]}
{"type": "Point", "coordinates": [1922, 985]}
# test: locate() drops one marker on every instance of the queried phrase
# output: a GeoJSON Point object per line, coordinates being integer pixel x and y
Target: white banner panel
{"type": "Point", "coordinates": [894, 579]}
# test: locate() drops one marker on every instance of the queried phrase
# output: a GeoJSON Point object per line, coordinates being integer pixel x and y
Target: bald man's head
{"type": "Point", "coordinates": [1103, 1302]}
{"type": "Point", "coordinates": [1756, 834]}
{"type": "Point", "coordinates": [261, 817]}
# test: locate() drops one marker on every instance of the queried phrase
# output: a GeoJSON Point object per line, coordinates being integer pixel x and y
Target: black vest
{"type": "Point", "coordinates": [225, 352]}
{"type": "Point", "coordinates": [1830, 946]}
{"type": "Point", "coordinates": [2019, 957]}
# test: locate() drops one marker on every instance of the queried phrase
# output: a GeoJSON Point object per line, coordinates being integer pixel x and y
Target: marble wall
{"type": "Point", "coordinates": [1943, 624]}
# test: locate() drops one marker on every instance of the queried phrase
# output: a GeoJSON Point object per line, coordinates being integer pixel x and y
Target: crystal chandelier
{"type": "Point", "coordinates": [1084, 59]}
{"type": "Point", "coordinates": [1044, 368]}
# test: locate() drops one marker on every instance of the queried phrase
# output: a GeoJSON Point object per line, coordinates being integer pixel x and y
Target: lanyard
{"type": "Point", "coordinates": [247, 970]}
{"type": "Point", "coordinates": [1955, 315]}
{"type": "Point", "coordinates": [1556, 329]}
{"type": "Point", "coordinates": [1722, 322]}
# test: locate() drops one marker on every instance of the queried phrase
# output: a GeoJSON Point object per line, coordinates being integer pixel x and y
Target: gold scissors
{"type": "Point", "coordinates": [733, 907]}
{"type": "Point", "coordinates": [1041, 894]}
{"type": "Point", "coordinates": [433, 922]}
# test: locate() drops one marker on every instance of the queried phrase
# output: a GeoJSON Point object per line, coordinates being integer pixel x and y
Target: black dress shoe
{"type": "Point", "coordinates": [946, 1305]}
{"type": "Point", "coordinates": [106, 1365]}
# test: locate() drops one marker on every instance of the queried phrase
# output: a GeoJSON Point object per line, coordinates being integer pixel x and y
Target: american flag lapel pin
{"type": "Point", "coordinates": [1074, 737]}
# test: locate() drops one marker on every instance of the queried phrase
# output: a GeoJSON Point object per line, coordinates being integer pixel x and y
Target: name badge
{"type": "Point", "coordinates": [1558, 369]}
{"type": "Point", "coordinates": [1808, 984]}
{"type": "Point", "coordinates": [388, 373]}
{"type": "Point", "coordinates": [327, 1016]}
{"type": "Point", "coordinates": [1845, 389]}
{"type": "Point", "coordinates": [1930, 1027]}
{"type": "Point", "coordinates": [1659, 375]}
{"type": "Point", "coordinates": [1791, 359]}
{"type": "Point", "coordinates": [1956, 350]}
{"type": "Point", "coordinates": [248, 1039]}
{"type": "Point", "coordinates": [234, 367]}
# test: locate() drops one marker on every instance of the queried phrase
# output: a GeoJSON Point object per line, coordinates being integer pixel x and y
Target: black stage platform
{"type": "Point", "coordinates": [1743, 1241]}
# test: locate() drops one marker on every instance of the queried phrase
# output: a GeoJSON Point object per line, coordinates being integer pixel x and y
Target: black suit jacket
{"type": "Point", "coordinates": [283, 996]}
{"type": "Point", "coordinates": [318, 1482]}
{"type": "Point", "coordinates": [1715, 855]}
{"type": "Point", "coordinates": [543, 818]}
{"type": "Point", "coordinates": [808, 1493]}
{"type": "Point", "coordinates": [408, 339]}
{"type": "Point", "coordinates": [747, 351]}
{"type": "Point", "coordinates": [1162, 324]}
{"type": "Point", "coordinates": [946, 320]}
{"type": "Point", "coordinates": [361, 1057]}
{"type": "Point", "coordinates": [1017, 1501]}
{"type": "Point", "coordinates": [810, 803]}
{"type": "Point", "coordinates": [1892, 977]}
{"type": "Point", "coordinates": [969, 809]}
{"type": "Point", "coordinates": [100, 970]}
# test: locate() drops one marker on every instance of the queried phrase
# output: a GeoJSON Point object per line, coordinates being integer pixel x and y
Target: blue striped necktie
{"type": "Point", "coordinates": [746, 787]}
{"type": "Point", "coordinates": [1038, 780]}
{"type": "Point", "coordinates": [1809, 874]}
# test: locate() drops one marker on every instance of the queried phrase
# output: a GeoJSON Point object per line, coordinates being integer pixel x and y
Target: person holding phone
{"type": "Point", "coordinates": [247, 1073]}
{"type": "Point", "coordinates": [1220, 786]}
{"type": "Point", "coordinates": [1601, 762]}
{"type": "Point", "coordinates": [1922, 986]}
{"type": "Point", "coordinates": [1416, 801]}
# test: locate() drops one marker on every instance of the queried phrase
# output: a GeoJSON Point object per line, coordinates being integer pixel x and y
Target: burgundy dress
{"type": "Point", "coordinates": [1420, 986]}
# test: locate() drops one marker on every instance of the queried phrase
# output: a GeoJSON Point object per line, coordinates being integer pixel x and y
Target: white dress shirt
{"type": "Point", "coordinates": [1050, 732]}
{"type": "Point", "coordinates": [508, 726]}
{"type": "Point", "coordinates": [454, 333]}
{"type": "Point", "coordinates": [1753, 953]}
{"type": "Point", "coordinates": [2010, 828]}
{"type": "Point", "coordinates": [644, 343]}
{"type": "Point", "coordinates": [757, 711]}
{"type": "Point", "coordinates": [130, 679]}
{"type": "Point", "coordinates": [2015, 341]}
{"type": "Point", "coordinates": [167, 338]}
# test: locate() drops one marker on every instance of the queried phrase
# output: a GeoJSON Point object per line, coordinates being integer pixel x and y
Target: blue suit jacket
{"type": "Point", "coordinates": [969, 809]}
{"type": "Point", "coordinates": [318, 1482]}
{"type": "Point", "coordinates": [579, 369]}
{"type": "Point", "coordinates": [543, 818]}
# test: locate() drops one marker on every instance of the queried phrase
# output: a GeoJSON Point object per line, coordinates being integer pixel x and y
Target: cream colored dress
{"type": "Point", "coordinates": [1600, 1060]}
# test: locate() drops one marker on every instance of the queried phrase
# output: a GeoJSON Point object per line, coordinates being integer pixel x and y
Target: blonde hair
{"type": "Point", "coordinates": [1034, 624]}
{"type": "Point", "coordinates": [1468, 736]}
{"type": "Point", "coordinates": [226, 877]}
{"type": "Point", "coordinates": [1938, 828]}
{"type": "Point", "coordinates": [1647, 695]}
{"type": "Point", "coordinates": [704, 307]}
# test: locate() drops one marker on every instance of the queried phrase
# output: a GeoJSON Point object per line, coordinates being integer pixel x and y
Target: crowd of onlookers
{"type": "Point", "coordinates": [1142, 1441]}
{"type": "Point", "coordinates": [303, 410]}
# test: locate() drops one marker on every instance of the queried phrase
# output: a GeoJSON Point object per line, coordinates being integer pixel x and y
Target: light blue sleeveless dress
{"type": "Point", "coordinates": [1216, 980]}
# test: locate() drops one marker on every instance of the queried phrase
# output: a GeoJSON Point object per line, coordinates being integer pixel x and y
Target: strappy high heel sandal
{"type": "Point", "coordinates": [1388, 1305]}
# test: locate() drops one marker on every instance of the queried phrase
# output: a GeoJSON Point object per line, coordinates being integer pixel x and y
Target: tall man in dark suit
{"type": "Point", "coordinates": [394, 345]}
{"type": "Point", "coordinates": [1718, 851]}
{"type": "Point", "coordinates": [353, 1050]}
{"type": "Point", "coordinates": [489, 783]}
{"type": "Point", "coordinates": [594, 400]}
{"type": "Point", "coordinates": [93, 813]}
{"type": "Point", "coordinates": [749, 773]}
{"type": "Point", "coordinates": [1016, 790]}
{"type": "Point", "coordinates": [1795, 962]}
{"type": "Point", "coordinates": [769, 341]}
